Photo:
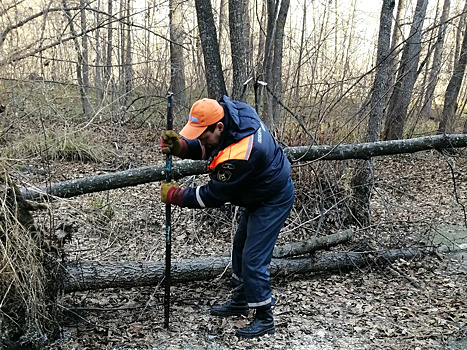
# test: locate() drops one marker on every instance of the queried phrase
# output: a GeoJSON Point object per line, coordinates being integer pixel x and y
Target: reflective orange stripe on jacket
{"type": "Point", "coordinates": [239, 151]}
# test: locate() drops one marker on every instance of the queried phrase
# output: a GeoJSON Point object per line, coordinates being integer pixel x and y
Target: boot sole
{"type": "Point", "coordinates": [259, 334]}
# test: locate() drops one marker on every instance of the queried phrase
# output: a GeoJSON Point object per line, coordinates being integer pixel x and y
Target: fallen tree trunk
{"type": "Point", "coordinates": [91, 275]}
{"type": "Point", "coordinates": [374, 149]}
{"type": "Point", "coordinates": [110, 181]}
{"type": "Point", "coordinates": [312, 245]}
{"type": "Point", "coordinates": [183, 168]}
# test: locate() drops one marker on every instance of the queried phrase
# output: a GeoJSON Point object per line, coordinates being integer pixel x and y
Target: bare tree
{"type": "Point", "coordinates": [436, 65]}
{"type": "Point", "coordinates": [361, 181]}
{"type": "Point", "coordinates": [79, 66]}
{"type": "Point", "coordinates": [277, 61]}
{"type": "Point", "coordinates": [300, 54]}
{"type": "Point", "coordinates": [125, 47]}
{"type": "Point", "coordinates": [395, 42]}
{"type": "Point", "coordinates": [98, 50]}
{"type": "Point", "coordinates": [177, 63]}
{"type": "Point", "coordinates": [459, 32]}
{"type": "Point", "coordinates": [272, 66]}
{"type": "Point", "coordinates": [85, 57]}
{"type": "Point", "coordinates": [238, 45]}
{"type": "Point", "coordinates": [452, 90]}
{"type": "Point", "coordinates": [223, 7]}
{"type": "Point", "coordinates": [109, 53]}
{"type": "Point", "coordinates": [400, 98]}
{"type": "Point", "coordinates": [212, 60]}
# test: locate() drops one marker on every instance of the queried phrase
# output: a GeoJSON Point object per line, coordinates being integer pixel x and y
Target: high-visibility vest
{"type": "Point", "coordinates": [239, 151]}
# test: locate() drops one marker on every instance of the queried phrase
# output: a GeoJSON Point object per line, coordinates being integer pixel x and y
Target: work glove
{"type": "Point", "coordinates": [171, 193]}
{"type": "Point", "coordinates": [171, 143]}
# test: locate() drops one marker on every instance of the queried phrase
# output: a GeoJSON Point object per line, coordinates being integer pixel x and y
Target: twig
{"type": "Point", "coordinates": [412, 280]}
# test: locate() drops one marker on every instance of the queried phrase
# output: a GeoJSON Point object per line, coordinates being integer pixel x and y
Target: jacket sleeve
{"type": "Point", "coordinates": [228, 180]}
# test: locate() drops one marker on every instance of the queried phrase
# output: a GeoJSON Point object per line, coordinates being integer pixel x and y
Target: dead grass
{"type": "Point", "coordinates": [25, 313]}
{"type": "Point", "coordinates": [71, 145]}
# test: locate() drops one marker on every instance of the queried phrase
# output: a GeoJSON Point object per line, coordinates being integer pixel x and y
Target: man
{"type": "Point", "coordinates": [248, 169]}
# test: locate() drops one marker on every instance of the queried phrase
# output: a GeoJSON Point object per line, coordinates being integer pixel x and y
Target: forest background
{"type": "Point", "coordinates": [83, 90]}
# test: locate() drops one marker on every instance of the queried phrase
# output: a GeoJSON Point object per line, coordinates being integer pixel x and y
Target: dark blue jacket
{"type": "Point", "coordinates": [246, 182]}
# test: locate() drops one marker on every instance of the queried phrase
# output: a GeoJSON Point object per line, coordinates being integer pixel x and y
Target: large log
{"type": "Point", "coordinates": [91, 275]}
{"type": "Point", "coordinates": [183, 168]}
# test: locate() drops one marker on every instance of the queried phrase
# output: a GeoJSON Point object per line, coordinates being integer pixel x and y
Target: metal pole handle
{"type": "Point", "coordinates": [168, 219]}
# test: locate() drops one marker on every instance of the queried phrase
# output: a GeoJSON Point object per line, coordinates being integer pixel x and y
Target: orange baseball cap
{"type": "Point", "coordinates": [202, 114]}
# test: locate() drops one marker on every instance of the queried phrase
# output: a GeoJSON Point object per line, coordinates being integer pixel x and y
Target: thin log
{"type": "Point", "coordinates": [110, 181]}
{"type": "Point", "coordinates": [311, 245]}
{"type": "Point", "coordinates": [92, 275]}
{"type": "Point", "coordinates": [374, 149]}
{"type": "Point", "coordinates": [183, 168]}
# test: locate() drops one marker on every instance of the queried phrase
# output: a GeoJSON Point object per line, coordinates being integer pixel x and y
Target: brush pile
{"type": "Point", "coordinates": [27, 294]}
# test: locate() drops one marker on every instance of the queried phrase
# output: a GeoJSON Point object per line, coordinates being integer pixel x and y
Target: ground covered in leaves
{"type": "Point", "coordinates": [409, 304]}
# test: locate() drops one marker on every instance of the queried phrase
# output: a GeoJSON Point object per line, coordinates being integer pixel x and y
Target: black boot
{"type": "Point", "coordinates": [234, 307]}
{"type": "Point", "coordinates": [261, 325]}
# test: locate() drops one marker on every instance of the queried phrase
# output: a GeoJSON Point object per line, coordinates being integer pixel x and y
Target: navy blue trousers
{"type": "Point", "coordinates": [253, 245]}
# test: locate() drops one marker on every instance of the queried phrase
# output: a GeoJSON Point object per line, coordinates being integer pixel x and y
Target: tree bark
{"type": "Point", "coordinates": [108, 53]}
{"type": "Point", "coordinates": [436, 65]}
{"type": "Point", "coordinates": [395, 42]}
{"type": "Point", "coordinates": [126, 70]}
{"type": "Point", "coordinates": [85, 58]}
{"type": "Point", "coordinates": [272, 64]}
{"type": "Point", "coordinates": [238, 46]}
{"type": "Point", "coordinates": [362, 179]}
{"type": "Point", "coordinates": [128, 52]}
{"type": "Point", "coordinates": [265, 70]}
{"type": "Point", "coordinates": [380, 84]}
{"type": "Point", "coordinates": [212, 60]}
{"type": "Point", "coordinates": [90, 275]}
{"type": "Point", "coordinates": [277, 61]}
{"type": "Point", "coordinates": [453, 89]}
{"type": "Point", "coordinates": [312, 245]}
{"type": "Point", "coordinates": [400, 99]}
{"type": "Point", "coordinates": [183, 168]}
{"type": "Point", "coordinates": [79, 66]}
{"type": "Point", "coordinates": [177, 62]}
{"type": "Point", "coordinates": [98, 68]}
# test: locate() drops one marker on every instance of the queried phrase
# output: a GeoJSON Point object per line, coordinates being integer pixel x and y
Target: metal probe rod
{"type": "Point", "coordinates": [168, 219]}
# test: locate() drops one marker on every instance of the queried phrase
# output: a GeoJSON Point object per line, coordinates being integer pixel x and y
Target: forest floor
{"type": "Point", "coordinates": [409, 304]}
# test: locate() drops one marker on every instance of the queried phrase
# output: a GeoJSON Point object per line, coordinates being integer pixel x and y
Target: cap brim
{"type": "Point", "coordinates": [191, 132]}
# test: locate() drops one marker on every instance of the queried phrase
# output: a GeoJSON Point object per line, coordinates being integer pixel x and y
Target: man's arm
{"type": "Point", "coordinates": [228, 181]}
